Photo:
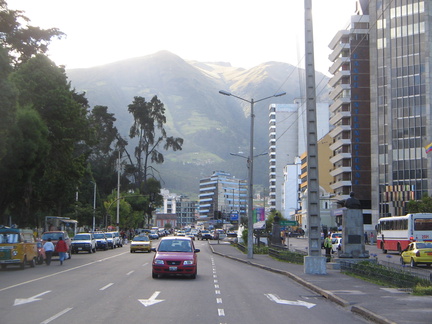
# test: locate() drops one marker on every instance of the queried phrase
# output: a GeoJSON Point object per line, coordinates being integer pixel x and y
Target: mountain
{"type": "Point", "coordinates": [212, 125]}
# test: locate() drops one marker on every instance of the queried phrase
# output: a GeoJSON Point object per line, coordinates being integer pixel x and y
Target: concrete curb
{"type": "Point", "coordinates": [325, 293]}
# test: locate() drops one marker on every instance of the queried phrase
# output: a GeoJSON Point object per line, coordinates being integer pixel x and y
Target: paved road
{"type": "Point", "coordinates": [116, 286]}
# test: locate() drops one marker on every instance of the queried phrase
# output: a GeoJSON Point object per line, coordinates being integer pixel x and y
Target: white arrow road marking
{"type": "Point", "coordinates": [20, 301]}
{"type": "Point", "coordinates": [276, 299]}
{"type": "Point", "coordinates": [152, 300]}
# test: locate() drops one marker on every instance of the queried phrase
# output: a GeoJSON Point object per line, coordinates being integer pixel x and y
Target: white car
{"type": "Point", "coordinates": [83, 242]}
{"type": "Point", "coordinates": [336, 244]}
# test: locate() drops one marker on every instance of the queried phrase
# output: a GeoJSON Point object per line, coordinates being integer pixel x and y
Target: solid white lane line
{"type": "Point", "coordinates": [56, 316]}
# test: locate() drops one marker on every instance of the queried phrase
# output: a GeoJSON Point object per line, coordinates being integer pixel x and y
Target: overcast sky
{"type": "Point", "coordinates": [243, 32]}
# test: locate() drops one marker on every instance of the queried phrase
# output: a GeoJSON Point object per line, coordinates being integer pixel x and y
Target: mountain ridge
{"type": "Point", "coordinates": [212, 125]}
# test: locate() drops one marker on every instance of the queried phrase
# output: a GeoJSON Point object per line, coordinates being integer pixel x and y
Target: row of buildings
{"type": "Point", "coordinates": [372, 133]}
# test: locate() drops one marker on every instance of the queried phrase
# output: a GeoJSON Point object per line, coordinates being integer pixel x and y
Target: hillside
{"type": "Point", "coordinates": [211, 125]}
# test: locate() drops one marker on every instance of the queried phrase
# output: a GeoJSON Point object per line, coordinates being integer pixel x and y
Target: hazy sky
{"type": "Point", "coordinates": [242, 32]}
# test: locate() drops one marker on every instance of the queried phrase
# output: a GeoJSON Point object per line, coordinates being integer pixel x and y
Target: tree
{"type": "Point", "coordinates": [43, 86]}
{"type": "Point", "coordinates": [23, 42]}
{"type": "Point", "coordinates": [148, 128]}
{"type": "Point", "coordinates": [420, 206]}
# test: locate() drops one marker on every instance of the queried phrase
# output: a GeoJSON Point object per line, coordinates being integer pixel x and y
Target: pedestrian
{"type": "Point", "coordinates": [372, 238]}
{"type": "Point", "coordinates": [328, 247]}
{"type": "Point", "coordinates": [61, 248]}
{"type": "Point", "coordinates": [366, 238]}
{"type": "Point", "coordinates": [49, 249]}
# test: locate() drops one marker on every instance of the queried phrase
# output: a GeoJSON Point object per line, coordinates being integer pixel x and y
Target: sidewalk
{"type": "Point", "coordinates": [374, 302]}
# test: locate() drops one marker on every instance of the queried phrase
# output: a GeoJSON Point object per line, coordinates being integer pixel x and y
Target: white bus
{"type": "Point", "coordinates": [395, 233]}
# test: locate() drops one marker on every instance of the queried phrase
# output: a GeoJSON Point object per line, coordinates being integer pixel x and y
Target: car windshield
{"type": "Point", "coordinates": [9, 238]}
{"type": "Point", "coordinates": [175, 246]}
{"type": "Point", "coordinates": [424, 245]}
{"type": "Point", "coordinates": [99, 236]}
{"type": "Point", "coordinates": [108, 235]}
{"type": "Point", "coordinates": [141, 238]}
{"type": "Point", "coordinates": [82, 237]}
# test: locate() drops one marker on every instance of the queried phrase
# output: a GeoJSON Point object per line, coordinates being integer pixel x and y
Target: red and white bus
{"type": "Point", "coordinates": [395, 233]}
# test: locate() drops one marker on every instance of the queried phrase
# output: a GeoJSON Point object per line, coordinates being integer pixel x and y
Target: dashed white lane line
{"type": "Point", "coordinates": [129, 273]}
{"type": "Point", "coordinates": [52, 318]}
{"type": "Point", "coordinates": [221, 312]}
{"type": "Point", "coordinates": [107, 286]}
{"type": "Point", "coordinates": [219, 300]}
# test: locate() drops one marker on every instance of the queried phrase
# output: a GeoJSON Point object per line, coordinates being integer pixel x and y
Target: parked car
{"type": "Point", "coordinates": [54, 236]}
{"type": "Point", "coordinates": [140, 243]}
{"type": "Point", "coordinates": [101, 241]}
{"type": "Point", "coordinates": [41, 252]}
{"type": "Point", "coordinates": [117, 239]}
{"type": "Point", "coordinates": [111, 240]}
{"type": "Point", "coordinates": [336, 244]}
{"type": "Point", "coordinates": [205, 235]}
{"type": "Point", "coordinates": [83, 242]}
{"type": "Point", "coordinates": [417, 253]}
{"type": "Point", "coordinates": [175, 255]}
{"type": "Point", "coordinates": [17, 247]}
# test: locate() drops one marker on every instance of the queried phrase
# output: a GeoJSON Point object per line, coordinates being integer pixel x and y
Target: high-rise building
{"type": "Point", "coordinates": [287, 141]}
{"type": "Point", "coordinates": [350, 112]}
{"type": "Point", "coordinates": [401, 112]}
{"type": "Point", "coordinates": [221, 196]}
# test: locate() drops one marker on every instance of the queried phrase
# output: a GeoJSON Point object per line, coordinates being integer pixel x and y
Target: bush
{"type": "Point", "coordinates": [421, 290]}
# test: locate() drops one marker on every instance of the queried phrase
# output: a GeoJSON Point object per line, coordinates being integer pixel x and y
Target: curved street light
{"type": "Point", "coordinates": [250, 165]}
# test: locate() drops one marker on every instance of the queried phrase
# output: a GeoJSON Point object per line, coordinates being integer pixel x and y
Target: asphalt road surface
{"type": "Point", "coordinates": [117, 286]}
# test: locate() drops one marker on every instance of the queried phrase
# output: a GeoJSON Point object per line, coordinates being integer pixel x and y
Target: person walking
{"type": "Point", "coordinates": [328, 247]}
{"type": "Point", "coordinates": [61, 248]}
{"type": "Point", "coordinates": [49, 249]}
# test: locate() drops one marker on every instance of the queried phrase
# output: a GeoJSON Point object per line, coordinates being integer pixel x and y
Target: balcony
{"type": "Point", "coordinates": [339, 129]}
{"type": "Point", "coordinates": [340, 170]}
{"type": "Point", "coordinates": [341, 142]}
{"type": "Point", "coordinates": [340, 156]}
{"type": "Point", "coordinates": [338, 63]}
{"type": "Point", "coordinates": [338, 76]}
{"type": "Point", "coordinates": [336, 92]}
{"type": "Point", "coordinates": [339, 184]}
{"type": "Point", "coordinates": [338, 116]}
{"type": "Point", "coordinates": [338, 50]}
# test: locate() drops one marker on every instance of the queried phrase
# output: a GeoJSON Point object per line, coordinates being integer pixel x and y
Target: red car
{"type": "Point", "coordinates": [175, 255]}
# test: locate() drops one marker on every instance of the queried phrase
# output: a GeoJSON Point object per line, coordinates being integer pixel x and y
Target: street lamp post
{"type": "Point", "coordinates": [94, 205]}
{"type": "Point", "coordinates": [250, 165]}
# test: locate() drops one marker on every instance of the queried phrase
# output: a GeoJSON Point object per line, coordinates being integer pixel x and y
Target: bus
{"type": "Point", "coordinates": [395, 233]}
{"type": "Point", "coordinates": [57, 223]}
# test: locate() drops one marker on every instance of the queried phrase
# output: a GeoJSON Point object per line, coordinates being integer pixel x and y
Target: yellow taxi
{"type": "Point", "coordinates": [140, 243]}
{"type": "Point", "coordinates": [417, 253]}
{"type": "Point", "coordinates": [17, 247]}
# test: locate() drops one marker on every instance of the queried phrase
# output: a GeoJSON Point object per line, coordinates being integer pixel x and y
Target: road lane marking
{"type": "Point", "coordinates": [221, 312]}
{"type": "Point", "coordinates": [130, 272]}
{"type": "Point", "coordinates": [218, 300]}
{"type": "Point", "coordinates": [276, 299]}
{"type": "Point", "coordinates": [20, 301]}
{"type": "Point", "coordinates": [60, 272]}
{"type": "Point", "coordinates": [107, 286]}
{"type": "Point", "coordinates": [52, 318]}
{"type": "Point", "coordinates": [217, 292]}
{"type": "Point", "coordinates": [152, 300]}
{"type": "Point", "coordinates": [216, 286]}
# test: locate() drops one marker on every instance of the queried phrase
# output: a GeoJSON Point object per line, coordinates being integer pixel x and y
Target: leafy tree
{"type": "Point", "coordinates": [23, 41]}
{"type": "Point", "coordinates": [420, 206]}
{"type": "Point", "coordinates": [8, 99]}
{"type": "Point", "coordinates": [44, 87]}
{"type": "Point", "coordinates": [27, 147]}
{"type": "Point", "coordinates": [148, 128]}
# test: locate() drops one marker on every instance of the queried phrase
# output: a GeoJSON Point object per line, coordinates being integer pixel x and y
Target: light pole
{"type": "Point", "coordinates": [94, 205]}
{"type": "Point", "coordinates": [250, 165]}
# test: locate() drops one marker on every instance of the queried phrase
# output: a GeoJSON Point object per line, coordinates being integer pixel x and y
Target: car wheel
{"type": "Point", "coordinates": [413, 263]}
{"type": "Point", "coordinates": [22, 264]}
{"type": "Point", "coordinates": [3, 266]}
{"type": "Point", "coordinates": [33, 263]}
{"type": "Point", "coordinates": [40, 259]}
{"type": "Point", "coordinates": [194, 275]}
{"type": "Point", "coordinates": [154, 275]}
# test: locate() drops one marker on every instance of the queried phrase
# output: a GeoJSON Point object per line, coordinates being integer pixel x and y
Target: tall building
{"type": "Point", "coordinates": [287, 141]}
{"type": "Point", "coordinates": [222, 196]}
{"type": "Point", "coordinates": [401, 107]}
{"type": "Point", "coordinates": [350, 112]}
